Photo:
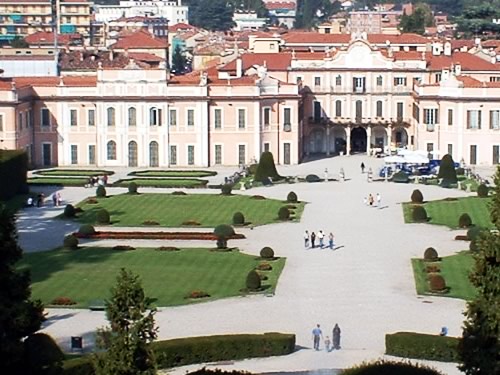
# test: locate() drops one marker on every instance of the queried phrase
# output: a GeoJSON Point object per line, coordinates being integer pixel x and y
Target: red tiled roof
{"type": "Point", "coordinates": [310, 37]}
{"type": "Point", "coordinates": [406, 55]}
{"type": "Point", "coordinates": [180, 26]}
{"type": "Point", "coordinates": [139, 39]}
{"type": "Point", "coordinates": [27, 57]}
{"type": "Point", "coordinates": [465, 59]}
{"type": "Point", "coordinates": [147, 57]}
{"type": "Point", "coordinates": [458, 44]}
{"type": "Point", "coordinates": [75, 81]}
{"type": "Point", "coordinates": [273, 61]}
{"type": "Point", "coordinates": [274, 5]}
{"type": "Point", "coordinates": [6, 84]}
{"type": "Point", "coordinates": [408, 38]}
{"type": "Point", "coordinates": [42, 37]}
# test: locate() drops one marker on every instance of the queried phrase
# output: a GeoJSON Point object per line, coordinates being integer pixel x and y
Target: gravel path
{"type": "Point", "coordinates": [366, 285]}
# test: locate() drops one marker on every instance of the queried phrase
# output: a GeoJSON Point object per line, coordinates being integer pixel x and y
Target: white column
{"type": "Point", "coordinates": [368, 139]}
{"type": "Point", "coordinates": [257, 132]}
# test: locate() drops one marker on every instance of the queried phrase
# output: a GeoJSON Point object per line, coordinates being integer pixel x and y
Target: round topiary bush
{"type": "Point", "coordinates": [132, 188]}
{"type": "Point", "coordinates": [474, 232]}
{"type": "Point", "coordinates": [86, 229]}
{"type": "Point", "coordinates": [292, 197]}
{"type": "Point", "coordinates": [437, 283]}
{"type": "Point", "coordinates": [100, 191]}
{"type": "Point", "coordinates": [253, 281]}
{"type": "Point", "coordinates": [417, 197]}
{"type": "Point", "coordinates": [70, 242]}
{"type": "Point", "coordinates": [284, 213]}
{"type": "Point", "coordinates": [69, 210]}
{"type": "Point", "coordinates": [473, 246]}
{"type": "Point", "coordinates": [430, 254]}
{"type": "Point", "coordinates": [312, 178]}
{"type": "Point", "coordinates": [102, 216]}
{"type": "Point", "coordinates": [447, 171]}
{"type": "Point", "coordinates": [419, 214]}
{"type": "Point", "coordinates": [226, 189]}
{"type": "Point", "coordinates": [238, 218]}
{"type": "Point", "coordinates": [42, 352]}
{"type": "Point", "coordinates": [223, 233]}
{"type": "Point", "coordinates": [482, 191]}
{"type": "Point", "coordinates": [385, 367]}
{"type": "Point", "coordinates": [267, 253]}
{"type": "Point", "coordinates": [464, 221]}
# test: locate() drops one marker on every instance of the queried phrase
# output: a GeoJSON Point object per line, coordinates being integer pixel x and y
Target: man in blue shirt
{"type": "Point", "coordinates": [317, 335]}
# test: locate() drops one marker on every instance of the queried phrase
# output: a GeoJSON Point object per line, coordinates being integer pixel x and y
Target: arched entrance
{"type": "Point", "coordinates": [400, 137]}
{"type": "Point", "coordinates": [358, 139]}
{"type": "Point", "coordinates": [153, 154]}
{"type": "Point", "coordinates": [338, 139]}
{"type": "Point", "coordinates": [317, 141]}
{"type": "Point", "coordinates": [379, 138]}
{"type": "Point", "coordinates": [132, 154]}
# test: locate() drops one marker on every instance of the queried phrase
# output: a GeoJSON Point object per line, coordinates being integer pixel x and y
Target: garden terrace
{"type": "Point", "coordinates": [455, 270]}
{"type": "Point", "coordinates": [163, 182]}
{"type": "Point", "coordinates": [447, 211]}
{"type": "Point", "coordinates": [173, 173]}
{"type": "Point", "coordinates": [169, 277]}
{"type": "Point", "coordinates": [168, 210]}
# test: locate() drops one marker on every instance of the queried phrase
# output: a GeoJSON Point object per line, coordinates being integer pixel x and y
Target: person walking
{"type": "Point", "coordinates": [321, 237]}
{"type": "Point", "coordinates": [379, 200]}
{"type": "Point", "coordinates": [317, 336]}
{"type": "Point", "coordinates": [54, 199]}
{"type": "Point", "coordinates": [336, 337]}
{"type": "Point", "coordinates": [306, 239]}
{"type": "Point", "coordinates": [362, 167]}
{"type": "Point", "coordinates": [313, 239]}
{"type": "Point", "coordinates": [326, 174]}
{"type": "Point", "coordinates": [327, 344]}
{"type": "Point", "coordinates": [370, 200]}
{"type": "Point", "coordinates": [330, 241]}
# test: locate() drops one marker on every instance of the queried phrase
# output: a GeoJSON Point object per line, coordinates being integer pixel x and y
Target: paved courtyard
{"type": "Point", "coordinates": [366, 285]}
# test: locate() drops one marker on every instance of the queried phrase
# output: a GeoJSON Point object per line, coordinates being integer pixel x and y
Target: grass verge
{"type": "Point", "coordinates": [88, 273]}
{"type": "Point", "coordinates": [163, 182]}
{"type": "Point", "coordinates": [58, 181]}
{"type": "Point", "coordinates": [173, 173]}
{"type": "Point", "coordinates": [73, 172]}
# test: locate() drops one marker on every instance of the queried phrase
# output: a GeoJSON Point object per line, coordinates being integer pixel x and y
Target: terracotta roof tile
{"type": "Point", "coordinates": [273, 61]}
{"type": "Point", "coordinates": [6, 84]}
{"type": "Point", "coordinates": [310, 37]}
{"type": "Point", "coordinates": [408, 38]}
{"type": "Point", "coordinates": [465, 59]}
{"type": "Point", "coordinates": [74, 81]}
{"type": "Point", "coordinates": [180, 26]}
{"type": "Point", "coordinates": [139, 39]}
{"type": "Point", "coordinates": [274, 5]}
{"type": "Point", "coordinates": [47, 38]}
{"type": "Point", "coordinates": [147, 57]}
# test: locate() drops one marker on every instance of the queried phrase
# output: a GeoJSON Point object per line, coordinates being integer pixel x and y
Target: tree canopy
{"type": "Point", "coordinates": [213, 15]}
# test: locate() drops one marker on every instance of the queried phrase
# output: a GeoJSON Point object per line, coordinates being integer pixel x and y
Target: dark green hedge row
{"type": "Point", "coordinates": [180, 352]}
{"type": "Point", "coordinates": [422, 346]}
{"type": "Point", "coordinates": [382, 367]}
{"type": "Point", "coordinates": [13, 169]}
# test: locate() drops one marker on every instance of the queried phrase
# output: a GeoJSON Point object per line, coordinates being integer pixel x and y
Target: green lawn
{"type": "Point", "coordinates": [88, 274]}
{"type": "Point", "coordinates": [443, 212]}
{"type": "Point", "coordinates": [163, 182]}
{"type": "Point", "coordinates": [58, 181]}
{"type": "Point", "coordinates": [73, 172]}
{"type": "Point", "coordinates": [170, 210]}
{"type": "Point", "coordinates": [455, 270]}
{"type": "Point", "coordinates": [173, 173]}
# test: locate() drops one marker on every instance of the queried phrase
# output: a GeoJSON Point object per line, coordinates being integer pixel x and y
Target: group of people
{"type": "Point", "coordinates": [334, 344]}
{"type": "Point", "coordinates": [39, 200]}
{"type": "Point", "coordinates": [310, 240]}
{"type": "Point", "coordinates": [95, 181]}
{"type": "Point", "coordinates": [372, 200]}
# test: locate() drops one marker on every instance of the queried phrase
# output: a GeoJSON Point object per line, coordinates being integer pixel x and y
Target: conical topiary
{"type": "Point", "coordinates": [447, 170]}
{"type": "Point", "coordinates": [253, 281]}
{"type": "Point", "coordinates": [266, 167]}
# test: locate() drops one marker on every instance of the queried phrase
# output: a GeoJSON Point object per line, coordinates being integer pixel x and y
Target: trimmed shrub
{"type": "Point", "coordinates": [266, 168]}
{"type": "Point", "coordinates": [238, 218]}
{"type": "Point", "coordinates": [437, 283]}
{"type": "Point", "coordinates": [267, 253]}
{"type": "Point", "coordinates": [252, 168]}
{"type": "Point", "coordinates": [132, 188]}
{"type": "Point", "coordinates": [70, 242]}
{"type": "Point", "coordinates": [223, 232]}
{"type": "Point", "coordinates": [191, 223]}
{"type": "Point", "coordinates": [474, 232]}
{"type": "Point", "coordinates": [195, 294]}
{"type": "Point", "coordinates": [264, 266]}
{"type": "Point", "coordinates": [150, 222]}
{"type": "Point", "coordinates": [422, 346]}
{"type": "Point", "coordinates": [292, 197]}
{"type": "Point", "coordinates": [69, 210]}
{"type": "Point", "coordinates": [102, 216]}
{"type": "Point", "coordinates": [417, 197]}
{"type": "Point", "coordinates": [179, 192]}
{"type": "Point", "coordinates": [284, 213]}
{"type": "Point", "coordinates": [419, 214]}
{"type": "Point", "coordinates": [464, 221]}
{"type": "Point", "coordinates": [312, 178]}
{"type": "Point", "coordinates": [430, 254]}
{"type": "Point", "coordinates": [460, 171]}
{"type": "Point", "coordinates": [226, 189]}
{"type": "Point", "coordinates": [123, 247]}
{"type": "Point", "coordinates": [42, 355]}
{"type": "Point", "coordinates": [482, 191]}
{"type": "Point", "coordinates": [100, 191]}
{"type": "Point", "coordinates": [86, 229]}
{"type": "Point", "coordinates": [384, 367]}
{"type": "Point", "coordinates": [91, 200]}
{"type": "Point", "coordinates": [400, 177]}
{"type": "Point", "coordinates": [14, 172]}
{"type": "Point", "coordinates": [473, 246]}
{"type": "Point", "coordinates": [433, 268]}
{"type": "Point", "coordinates": [447, 171]}
{"type": "Point", "coordinates": [253, 281]}
{"type": "Point", "coordinates": [258, 197]}
{"type": "Point", "coordinates": [167, 248]}
{"type": "Point", "coordinates": [62, 301]}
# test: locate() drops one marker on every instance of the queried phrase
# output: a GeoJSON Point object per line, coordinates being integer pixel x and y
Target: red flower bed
{"type": "Point", "coordinates": [208, 236]}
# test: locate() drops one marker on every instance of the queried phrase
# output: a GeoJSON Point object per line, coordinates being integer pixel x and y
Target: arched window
{"type": "Point", "coordinates": [111, 116]}
{"type": "Point", "coordinates": [153, 154]}
{"type": "Point", "coordinates": [132, 154]}
{"type": "Point", "coordinates": [111, 150]}
{"type": "Point", "coordinates": [154, 116]}
{"type": "Point", "coordinates": [132, 116]}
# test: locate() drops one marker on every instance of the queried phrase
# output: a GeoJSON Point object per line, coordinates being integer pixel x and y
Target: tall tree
{"type": "Point", "coordinates": [132, 329]}
{"type": "Point", "coordinates": [19, 316]}
{"type": "Point", "coordinates": [213, 15]}
{"type": "Point", "coordinates": [178, 61]}
{"type": "Point", "coordinates": [480, 343]}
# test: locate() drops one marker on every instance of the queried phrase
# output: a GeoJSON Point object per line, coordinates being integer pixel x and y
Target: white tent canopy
{"type": "Point", "coordinates": [412, 158]}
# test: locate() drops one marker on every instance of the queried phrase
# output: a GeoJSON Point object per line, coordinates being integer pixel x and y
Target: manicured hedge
{"type": "Point", "coordinates": [382, 367]}
{"type": "Point", "coordinates": [422, 346]}
{"type": "Point", "coordinates": [163, 182]}
{"type": "Point", "coordinates": [13, 169]}
{"type": "Point", "coordinates": [180, 352]}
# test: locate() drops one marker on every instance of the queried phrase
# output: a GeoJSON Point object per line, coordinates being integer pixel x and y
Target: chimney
{"type": "Point", "coordinates": [447, 49]}
{"type": "Point", "coordinates": [239, 67]}
{"type": "Point", "coordinates": [458, 69]}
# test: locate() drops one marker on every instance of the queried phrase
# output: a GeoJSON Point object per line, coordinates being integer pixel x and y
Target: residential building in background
{"type": "Point", "coordinates": [282, 12]}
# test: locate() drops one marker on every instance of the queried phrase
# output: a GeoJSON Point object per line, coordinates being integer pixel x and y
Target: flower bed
{"type": "Point", "coordinates": [114, 235]}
